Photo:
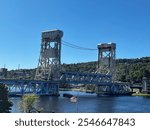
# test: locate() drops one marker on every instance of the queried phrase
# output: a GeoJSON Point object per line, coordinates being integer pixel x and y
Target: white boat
{"type": "Point", "coordinates": [73, 99]}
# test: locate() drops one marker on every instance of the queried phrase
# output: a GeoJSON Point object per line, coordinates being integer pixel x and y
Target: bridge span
{"type": "Point", "coordinates": [49, 75]}
{"type": "Point", "coordinates": [19, 87]}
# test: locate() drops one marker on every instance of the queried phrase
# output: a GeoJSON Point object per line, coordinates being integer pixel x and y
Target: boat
{"type": "Point", "coordinates": [67, 95]}
{"type": "Point", "coordinates": [73, 99]}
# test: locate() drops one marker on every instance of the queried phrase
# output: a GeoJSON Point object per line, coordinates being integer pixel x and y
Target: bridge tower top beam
{"type": "Point", "coordinates": [50, 56]}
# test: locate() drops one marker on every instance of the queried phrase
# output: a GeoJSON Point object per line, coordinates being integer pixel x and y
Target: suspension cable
{"type": "Point", "coordinates": [75, 46]}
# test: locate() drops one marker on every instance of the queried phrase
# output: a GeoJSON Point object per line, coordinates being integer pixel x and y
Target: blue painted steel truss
{"type": "Point", "coordinates": [103, 82]}
{"type": "Point", "coordinates": [21, 87]}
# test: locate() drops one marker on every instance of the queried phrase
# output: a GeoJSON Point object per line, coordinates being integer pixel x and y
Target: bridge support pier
{"type": "Point", "coordinates": [103, 90]}
{"type": "Point", "coordinates": [114, 89]}
{"type": "Point", "coordinates": [146, 85]}
{"type": "Point", "coordinates": [53, 89]}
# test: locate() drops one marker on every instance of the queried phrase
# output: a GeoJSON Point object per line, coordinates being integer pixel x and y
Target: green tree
{"type": "Point", "coordinates": [28, 103]}
{"type": "Point", "coordinates": [5, 104]}
{"type": "Point", "coordinates": [146, 73]}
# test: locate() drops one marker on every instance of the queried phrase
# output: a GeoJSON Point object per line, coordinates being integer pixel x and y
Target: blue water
{"type": "Point", "coordinates": [90, 103]}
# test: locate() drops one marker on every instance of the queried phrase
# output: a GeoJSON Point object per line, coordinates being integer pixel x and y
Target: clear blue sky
{"type": "Point", "coordinates": [84, 22]}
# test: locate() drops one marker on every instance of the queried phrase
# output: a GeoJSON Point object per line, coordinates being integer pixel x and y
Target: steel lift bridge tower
{"type": "Point", "coordinates": [46, 80]}
{"type": "Point", "coordinates": [50, 56]}
{"type": "Point", "coordinates": [107, 66]}
{"type": "Point", "coordinates": [106, 58]}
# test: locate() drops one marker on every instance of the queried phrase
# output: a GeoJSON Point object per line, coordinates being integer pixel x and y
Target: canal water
{"type": "Point", "coordinates": [90, 103]}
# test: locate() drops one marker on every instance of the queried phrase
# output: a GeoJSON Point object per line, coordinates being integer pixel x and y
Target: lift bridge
{"type": "Point", "coordinates": [50, 75]}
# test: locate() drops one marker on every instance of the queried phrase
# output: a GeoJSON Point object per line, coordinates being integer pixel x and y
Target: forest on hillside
{"type": "Point", "coordinates": [127, 70]}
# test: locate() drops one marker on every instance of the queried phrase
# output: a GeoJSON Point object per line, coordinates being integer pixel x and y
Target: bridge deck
{"type": "Point", "coordinates": [42, 87]}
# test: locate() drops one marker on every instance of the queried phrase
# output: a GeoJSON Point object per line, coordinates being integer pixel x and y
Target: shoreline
{"type": "Point", "coordinates": [141, 94]}
{"type": "Point", "coordinates": [89, 91]}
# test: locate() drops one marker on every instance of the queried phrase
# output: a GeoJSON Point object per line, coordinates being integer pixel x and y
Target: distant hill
{"type": "Point", "coordinates": [133, 70]}
{"type": "Point", "coordinates": [127, 70]}
{"type": "Point", "coordinates": [130, 70]}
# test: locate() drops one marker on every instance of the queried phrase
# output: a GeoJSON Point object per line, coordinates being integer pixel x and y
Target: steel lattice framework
{"type": "Point", "coordinates": [106, 58]}
{"type": "Point", "coordinates": [85, 78]}
{"type": "Point", "coordinates": [50, 56]}
{"type": "Point", "coordinates": [19, 87]}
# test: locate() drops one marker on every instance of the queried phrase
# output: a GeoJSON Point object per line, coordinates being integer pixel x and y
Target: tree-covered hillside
{"type": "Point", "coordinates": [130, 70]}
{"type": "Point", "coordinates": [133, 70]}
{"type": "Point", "coordinates": [127, 70]}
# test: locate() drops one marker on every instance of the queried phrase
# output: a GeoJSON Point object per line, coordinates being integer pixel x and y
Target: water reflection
{"type": "Point", "coordinates": [90, 103]}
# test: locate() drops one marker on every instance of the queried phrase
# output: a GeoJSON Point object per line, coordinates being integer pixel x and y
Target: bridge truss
{"type": "Point", "coordinates": [19, 87]}
{"type": "Point", "coordinates": [40, 87]}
